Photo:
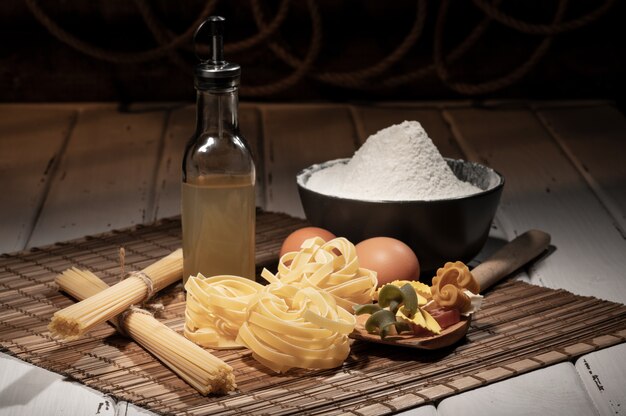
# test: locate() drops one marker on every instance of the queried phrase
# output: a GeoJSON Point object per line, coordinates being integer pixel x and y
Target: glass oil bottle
{"type": "Point", "coordinates": [218, 196]}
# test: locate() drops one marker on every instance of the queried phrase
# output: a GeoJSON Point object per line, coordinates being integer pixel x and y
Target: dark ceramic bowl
{"type": "Point", "coordinates": [438, 230]}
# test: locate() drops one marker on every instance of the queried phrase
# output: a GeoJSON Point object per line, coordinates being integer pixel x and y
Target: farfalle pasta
{"type": "Point", "coordinates": [407, 306]}
{"type": "Point", "coordinates": [421, 289]}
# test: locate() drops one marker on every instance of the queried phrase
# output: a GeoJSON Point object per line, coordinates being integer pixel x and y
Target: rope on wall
{"type": "Point", "coordinates": [535, 29]}
{"type": "Point", "coordinates": [494, 84]}
{"type": "Point", "coordinates": [114, 56]}
{"type": "Point", "coordinates": [169, 44]}
{"type": "Point", "coordinates": [302, 68]}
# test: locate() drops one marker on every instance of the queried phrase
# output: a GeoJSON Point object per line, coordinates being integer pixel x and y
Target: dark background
{"type": "Point", "coordinates": [35, 66]}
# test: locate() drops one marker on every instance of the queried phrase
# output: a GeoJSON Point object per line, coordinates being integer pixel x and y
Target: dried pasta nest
{"type": "Point", "coordinates": [301, 319]}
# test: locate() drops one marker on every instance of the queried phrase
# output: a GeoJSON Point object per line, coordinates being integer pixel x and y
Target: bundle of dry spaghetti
{"type": "Point", "coordinates": [75, 320]}
{"type": "Point", "coordinates": [202, 370]}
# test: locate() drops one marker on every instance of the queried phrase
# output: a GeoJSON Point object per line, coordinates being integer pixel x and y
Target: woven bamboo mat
{"type": "Point", "coordinates": [520, 328]}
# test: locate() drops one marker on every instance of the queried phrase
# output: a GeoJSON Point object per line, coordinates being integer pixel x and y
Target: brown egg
{"type": "Point", "coordinates": [390, 258]}
{"type": "Point", "coordinates": [296, 238]}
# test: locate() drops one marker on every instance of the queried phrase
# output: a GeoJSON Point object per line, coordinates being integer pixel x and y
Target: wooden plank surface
{"type": "Point", "coordinates": [593, 138]}
{"type": "Point", "coordinates": [251, 127]}
{"type": "Point", "coordinates": [297, 137]}
{"type": "Point", "coordinates": [106, 175]}
{"type": "Point", "coordinates": [543, 190]}
{"type": "Point", "coordinates": [554, 390]}
{"type": "Point", "coordinates": [604, 376]}
{"type": "Point", "coordinates": [371, 119]}
{"type": "Point", "coordinates": [32, 140]}
{"type": "Point", "coordinates": [29, 390]}
{"type": "Point", "coordinates": [180, 127]}
{"type": "Point", "coordinates": [129, 409]}
{"type": "Point", "coordinates": [561, 170]}
{"type": "Point", "coordinates": [427, 410]}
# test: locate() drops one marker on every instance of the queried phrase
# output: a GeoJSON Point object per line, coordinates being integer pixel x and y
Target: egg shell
{"type": "Point", "coordinates": [390, 258]}
{"type": "Point", "coordinates": [296, 238]}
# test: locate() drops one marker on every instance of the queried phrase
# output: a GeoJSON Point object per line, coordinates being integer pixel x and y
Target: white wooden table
{"type": "Point", "coordinates": [68, 170]}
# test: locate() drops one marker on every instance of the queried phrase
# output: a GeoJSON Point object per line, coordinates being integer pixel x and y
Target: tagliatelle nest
{"type": "Point", "coordinates": [301, 319]}
{"type": "Point", "coordinates": [330, 266]}
{"type": "Point", "coordinates": [299, 327]}
{"type": "Point", "coordinates": [216, 309]}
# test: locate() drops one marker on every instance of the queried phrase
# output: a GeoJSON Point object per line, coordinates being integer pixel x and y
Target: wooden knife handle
{"type": "Point", "coordinates": [511, 257]}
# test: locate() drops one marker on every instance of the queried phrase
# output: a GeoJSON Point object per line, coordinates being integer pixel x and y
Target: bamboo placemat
{"type": "Point", "coordinates": [520, 328]}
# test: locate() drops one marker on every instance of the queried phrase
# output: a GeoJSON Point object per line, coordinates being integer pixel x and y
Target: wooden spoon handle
{"type": "Point", "coordinates": [511, 257]}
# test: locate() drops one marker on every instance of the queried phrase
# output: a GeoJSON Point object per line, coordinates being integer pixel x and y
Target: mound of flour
{"type": "Point", "coordinates": [398, 163]}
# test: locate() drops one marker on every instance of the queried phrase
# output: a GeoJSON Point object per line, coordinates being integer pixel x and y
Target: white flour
{"type": "Point", "coordinates": [398, 163]}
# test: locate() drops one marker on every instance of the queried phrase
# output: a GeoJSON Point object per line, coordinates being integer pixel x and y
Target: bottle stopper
{"type": "Point", "coordinates": [214, 72]}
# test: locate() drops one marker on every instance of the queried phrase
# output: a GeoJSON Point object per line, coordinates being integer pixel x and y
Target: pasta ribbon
{"type": "Point", "coordinates": [305, 330]}
{"type": "Point", "coordinates": [301, 319]}
{"type": "Point", "coordinates": [330, 266]}
{"type": "Point", "coordinates": [216, 309]}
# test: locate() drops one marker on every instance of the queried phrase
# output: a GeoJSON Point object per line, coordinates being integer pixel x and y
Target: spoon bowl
{"type": "Point", "coordinates": [447, 337]}
{"type": "Point", "coordinates": [502, 263]}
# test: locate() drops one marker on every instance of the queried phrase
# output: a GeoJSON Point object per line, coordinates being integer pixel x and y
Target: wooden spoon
{"type": "Point", "coordinates": [503, 262]}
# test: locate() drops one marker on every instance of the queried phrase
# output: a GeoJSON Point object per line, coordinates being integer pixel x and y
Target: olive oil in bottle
{"type": "Point", "coordinates": [218, 197]}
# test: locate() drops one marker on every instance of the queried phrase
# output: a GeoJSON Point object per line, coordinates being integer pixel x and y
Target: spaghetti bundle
{"type": "Point", "coordinates": [75, 320]}
{"type": "Point", "coordinates": [202, 370]}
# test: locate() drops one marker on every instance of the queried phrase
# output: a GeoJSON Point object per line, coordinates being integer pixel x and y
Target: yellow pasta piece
{"type": "Point", "coordinates": [451, 297]}
{"type": "Point", "coordinates": [456, 273]}
{"type": "Point", "coordinates": [307, 330]}
{"type": "Point", "coordinates": [301, 319]}
{"type": "Point", "coordinates": [332, 266]}
{"type": "Point", "coordinates": [422, 290]}
{"type": "Point", "coordinates": [450, 284]}
{"type": "Point", "coordinates": [216, 309]}
{"type": "Point", "coordinates": [421, 318]}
